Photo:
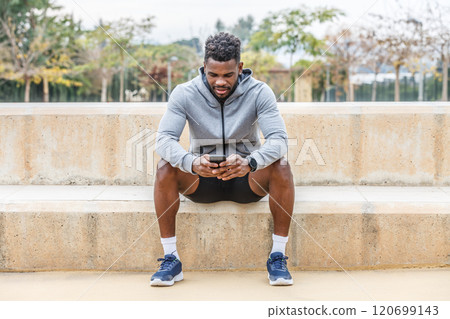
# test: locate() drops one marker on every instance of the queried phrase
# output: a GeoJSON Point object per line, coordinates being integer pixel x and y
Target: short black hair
{"type": "Point", "coordinates": [223, 47]}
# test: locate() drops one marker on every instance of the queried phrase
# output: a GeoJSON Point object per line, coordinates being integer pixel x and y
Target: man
{"type": "Point", "coordinates": [225, 108]}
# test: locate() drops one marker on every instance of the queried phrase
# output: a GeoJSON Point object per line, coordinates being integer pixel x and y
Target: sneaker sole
{"type": "Point", "coordinates": [281, 282]}
{"type": "Point", "coordinates": [161, 283]}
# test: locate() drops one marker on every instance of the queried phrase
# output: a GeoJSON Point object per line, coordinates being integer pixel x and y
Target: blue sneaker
{"type": "Point", "coordinates": [169, 272]}
{"type": "Point", "coordinates": [278, 273]}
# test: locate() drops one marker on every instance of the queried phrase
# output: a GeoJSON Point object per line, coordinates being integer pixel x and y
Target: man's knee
{"type": "Point", "coordinates": [165, 171]}
{"type": "Point", "coordinates": [281, 171]}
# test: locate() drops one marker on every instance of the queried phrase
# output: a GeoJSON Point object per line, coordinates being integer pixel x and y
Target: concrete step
{"type": "Point", "coordinates": [45, 227]}
{"type": "Point", "coordinates": [363, 143]}
{"type": "Point", "coordinates": [398, 285]}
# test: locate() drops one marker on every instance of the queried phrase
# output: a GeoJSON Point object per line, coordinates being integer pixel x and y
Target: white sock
{"type": "Point", "coordinates": [170, 246]}
{"type": "Point", "coordinates": [279, 244]}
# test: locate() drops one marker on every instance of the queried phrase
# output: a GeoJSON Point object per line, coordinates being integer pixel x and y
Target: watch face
{"type": "Point", "coordinates": [252, 163]}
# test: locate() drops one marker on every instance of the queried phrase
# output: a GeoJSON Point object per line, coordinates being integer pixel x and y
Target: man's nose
{"type": "Point", "coordinates": [221, 82]}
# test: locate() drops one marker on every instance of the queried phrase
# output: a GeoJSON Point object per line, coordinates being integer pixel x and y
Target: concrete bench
{"type": "Point", "coordinates": [55, 227]}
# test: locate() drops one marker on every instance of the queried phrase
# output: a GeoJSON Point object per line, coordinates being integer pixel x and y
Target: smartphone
{"type": "Point", "coordinates": [215, 158]}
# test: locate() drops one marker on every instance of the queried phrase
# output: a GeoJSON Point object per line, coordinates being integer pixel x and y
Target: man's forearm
{"type": "Point", "coordinates": [272, 150]}
{"type": "Point", "coordinates": [171, 151]}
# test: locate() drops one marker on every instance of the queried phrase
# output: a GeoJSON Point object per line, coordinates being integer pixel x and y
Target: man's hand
{"type": "Point", "coordinates": [203, 167]}
{"type": "Point", "coordinates": [234, 166]}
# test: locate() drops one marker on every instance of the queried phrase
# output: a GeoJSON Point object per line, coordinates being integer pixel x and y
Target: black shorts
{"type": "Point", "coordinates": [212, 189]}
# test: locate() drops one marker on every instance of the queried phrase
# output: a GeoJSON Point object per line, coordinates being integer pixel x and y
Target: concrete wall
{"type": "Point", "coordinates": [330, 143]}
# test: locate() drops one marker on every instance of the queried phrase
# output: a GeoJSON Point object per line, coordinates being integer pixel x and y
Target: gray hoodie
{"type": "Point", "coordinates": [217, 129]}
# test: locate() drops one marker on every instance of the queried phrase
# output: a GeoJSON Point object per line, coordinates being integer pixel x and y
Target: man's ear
{"type": "Point", "coordinates": [241, 66]}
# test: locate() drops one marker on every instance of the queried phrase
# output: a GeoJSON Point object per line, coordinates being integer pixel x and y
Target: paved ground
{"type": "Point", "coordinates": [411, 284]}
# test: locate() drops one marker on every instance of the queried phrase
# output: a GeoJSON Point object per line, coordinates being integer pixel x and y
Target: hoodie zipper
{"type": "Point", "coordinates": [223, 129]}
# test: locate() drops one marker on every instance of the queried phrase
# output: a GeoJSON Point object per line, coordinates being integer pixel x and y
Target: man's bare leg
{"type": "Point", "coordinates": [276, 180]}
{"type": "Point", "coordinates": [169, 183]}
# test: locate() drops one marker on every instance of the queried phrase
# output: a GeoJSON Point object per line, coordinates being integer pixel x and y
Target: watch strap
{"type": "Point", "coordinates": [252, 163]}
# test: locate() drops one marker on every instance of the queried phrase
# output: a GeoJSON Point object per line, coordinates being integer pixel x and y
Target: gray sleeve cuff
{"type": "Point", "coordinates": [187, 163]}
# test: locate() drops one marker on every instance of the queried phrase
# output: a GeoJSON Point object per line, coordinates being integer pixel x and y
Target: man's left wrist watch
{"type": "Point", "coordinates": [252, 163]}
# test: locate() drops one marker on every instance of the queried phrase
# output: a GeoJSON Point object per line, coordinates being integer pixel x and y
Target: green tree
{"type": "Point", "coordinates": [291, 31]}
{"type": "Point", "coordinates": [154, 60]}
{"type": "Point", "coordinates": [317, 69]}
{"type": "Point", "coordinates": [243, 29]}
{"type": "Point", "coordinates": [24, 26]}
{"type": "Point", "coordinates": [6, 66]}
{"type": "Point", "coordinates": [193, 43]}
{"type": "Point", "coordinates": [220, 26]}
{"type": "Point", "coordinates": [97, 58]}
{"type": "Point", "coordinates": [126, 33]}
{"type": "Point", "coordinates": [261, 63]}
{"type": "Point", "coordinates": [265, 68]}
{"type": "Point", "coordinates": [58, 63]}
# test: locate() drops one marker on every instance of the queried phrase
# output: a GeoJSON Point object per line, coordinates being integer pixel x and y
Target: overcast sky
{"type": "Point", "coordinates": [183, 19]}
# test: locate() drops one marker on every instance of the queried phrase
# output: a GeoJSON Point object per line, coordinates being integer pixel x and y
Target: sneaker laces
{"type": "Point", "coordinates": [166, 262]}
{"type": "Point", "coordinates": [280, 262]}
